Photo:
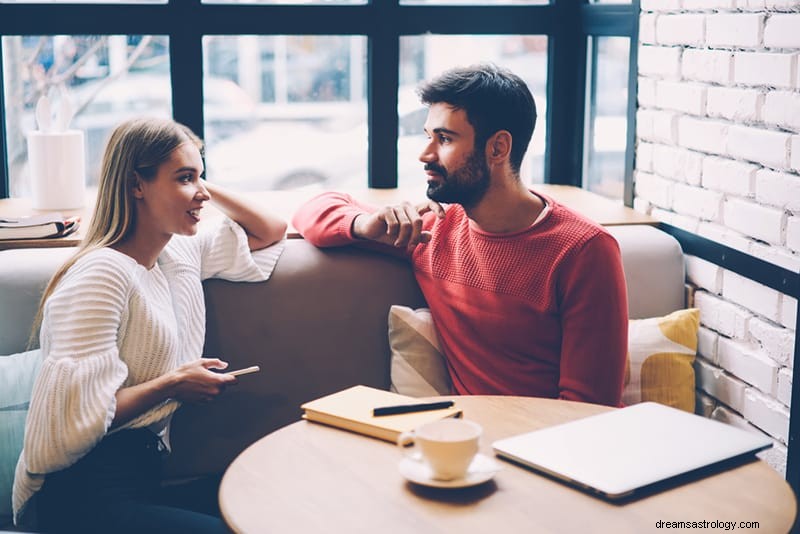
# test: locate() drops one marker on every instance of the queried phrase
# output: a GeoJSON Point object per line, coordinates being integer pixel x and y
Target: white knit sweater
{"type": "Point", "coordinates": [112, 323]}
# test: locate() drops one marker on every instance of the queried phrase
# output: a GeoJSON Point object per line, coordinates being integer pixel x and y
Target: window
{"type": "Point", "coordinates": [606, 117]}
{"type": "Point", "coordinates": [96, 80]}
{"type": "Point", "coordinates": [423, 56]}
{"type": "Point", "coordinates": [302, 118]}
{"type": "Point", "coordinates": [319, 93]}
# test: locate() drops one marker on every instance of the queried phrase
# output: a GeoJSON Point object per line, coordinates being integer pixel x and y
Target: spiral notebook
{"type": "Point", "coordinates": [621, 452]}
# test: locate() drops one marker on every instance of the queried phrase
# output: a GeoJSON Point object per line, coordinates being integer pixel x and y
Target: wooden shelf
{"type": "Point", "coordinates": [285, 203]}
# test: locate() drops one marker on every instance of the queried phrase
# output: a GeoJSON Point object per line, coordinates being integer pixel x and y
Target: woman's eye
{"type": "Point", "coordinates": [186, 178]}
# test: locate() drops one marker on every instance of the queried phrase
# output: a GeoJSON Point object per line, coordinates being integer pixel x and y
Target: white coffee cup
{"type": "Point", "coordinates": [447, 446]}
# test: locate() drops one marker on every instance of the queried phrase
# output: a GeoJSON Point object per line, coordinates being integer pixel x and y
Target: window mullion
{"type": "Point", "coordinates": [383, 80]}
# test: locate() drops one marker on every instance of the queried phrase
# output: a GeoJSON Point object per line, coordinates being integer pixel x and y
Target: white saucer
{"type": "Point", "coordinates": [482, 469]}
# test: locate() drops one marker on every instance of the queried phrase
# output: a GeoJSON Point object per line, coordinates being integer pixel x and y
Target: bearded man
{"type": "Point", "coordinates": [527, 296]}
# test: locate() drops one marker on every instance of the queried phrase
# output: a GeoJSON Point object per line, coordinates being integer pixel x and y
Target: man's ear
{"type": "Point", "coordinates": [138, 190]}
{"type": "Point", "coordinates": [498, 147]}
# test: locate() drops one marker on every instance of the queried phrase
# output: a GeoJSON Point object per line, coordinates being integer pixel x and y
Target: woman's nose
{"type": "Point", "coordinates": [202, 191]}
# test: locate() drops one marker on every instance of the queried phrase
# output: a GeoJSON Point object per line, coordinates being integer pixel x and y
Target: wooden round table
{"type": "Point", "coordinates": [308, 477]}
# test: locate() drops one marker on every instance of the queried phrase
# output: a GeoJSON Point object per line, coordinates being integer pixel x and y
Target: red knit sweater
{"type": "Point", "coordinates": [541, 312]}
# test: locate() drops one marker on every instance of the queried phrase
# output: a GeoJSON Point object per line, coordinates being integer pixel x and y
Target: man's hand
{"type": "Point", "coordinates": [399, 226]}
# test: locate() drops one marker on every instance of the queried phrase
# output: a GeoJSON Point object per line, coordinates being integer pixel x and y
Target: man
{"type": "Point", "coordinates": [528, 297]}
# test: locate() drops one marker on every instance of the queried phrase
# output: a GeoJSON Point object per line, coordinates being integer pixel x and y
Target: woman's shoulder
{"type": "Point", "coordinates": [103, 267]}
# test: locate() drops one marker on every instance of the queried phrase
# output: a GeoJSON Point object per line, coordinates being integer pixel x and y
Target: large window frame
{"type": "Point", "coordinates": [567, 24]}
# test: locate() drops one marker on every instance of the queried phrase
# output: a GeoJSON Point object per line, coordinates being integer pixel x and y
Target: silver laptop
{"type": "Point", "coordinates": [620, 452]}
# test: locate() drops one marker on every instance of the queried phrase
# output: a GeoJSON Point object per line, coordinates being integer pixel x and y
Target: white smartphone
{"type": "Point", "coordinates": [245, 371]}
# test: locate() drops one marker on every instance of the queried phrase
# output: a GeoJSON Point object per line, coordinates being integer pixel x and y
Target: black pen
{"type": "Point", "coordinates": [409, 408]}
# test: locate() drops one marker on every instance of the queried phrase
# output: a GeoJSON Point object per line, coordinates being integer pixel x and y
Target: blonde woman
{"type": "Point", "coordinates": [122, 331]}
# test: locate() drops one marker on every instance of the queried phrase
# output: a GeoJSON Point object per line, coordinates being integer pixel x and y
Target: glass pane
{"type": "Point", "coordinates": [472, 2]}
{"type": "Point", "coordinates": [83, 1]}
{"type": "Point", "coordinates": [284, 112]}
{"type": "Point", "coordinates": [607, 118]}
{"type": "Point", "coordinates": [105, 78]}
{"type": "Point", "coordinates": [288, 2]}
{"type": "Point", "coordinates": [426, 56]}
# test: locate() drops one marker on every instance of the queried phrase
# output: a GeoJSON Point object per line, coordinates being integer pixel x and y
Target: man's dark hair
{"type": "Point", "coordinates": [493, 98]}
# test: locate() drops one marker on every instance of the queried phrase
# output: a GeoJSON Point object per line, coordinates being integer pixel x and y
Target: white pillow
{"type": "Point", "coordinates": [418, 368]}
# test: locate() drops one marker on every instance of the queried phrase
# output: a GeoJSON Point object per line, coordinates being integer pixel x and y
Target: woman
{"type": "Point", "coordinates": [122, 331]}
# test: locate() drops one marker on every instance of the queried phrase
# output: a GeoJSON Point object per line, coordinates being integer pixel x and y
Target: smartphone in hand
{"type": "Point", "coordinates": [245, 371]}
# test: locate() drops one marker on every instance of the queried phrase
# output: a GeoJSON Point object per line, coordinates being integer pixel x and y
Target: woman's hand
{"type": "Point", "coordinates": [191, 382]}
{"type": "Point", "coordinates": [196, 382]}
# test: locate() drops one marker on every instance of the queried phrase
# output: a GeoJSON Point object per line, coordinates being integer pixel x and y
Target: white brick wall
{"type": "Point", "coordinates": [788, 312]}
{"type": "Point", "coordinates": [774, 69]}
{"type": "Point", "coordinates": [646, 95]}
{"type": "Point", "coordinates": [767, 147]}
{"type": "Point", "coordinates": [733, 103]}
{"type": "Point", "coordinates": [779, 189]}
{"type": "Point", "coordinates": [781, 31]}
{"type": "Point", "coordinates": [782, 108]}
{"type": "Point", "coordinates": [747, 363]}
{"type": "Point", "coordinates": [785, 386]}
{"type": "Point", "coordinates": [662, 61]}
{"type": "Point", "coordinates": [721, 316]}
{"type": "Point", "coordinates": [704, 274]}
{"type": "Point", "coordinates": [729, 176]}
{"type": "Point", "coordinates": [693, 5]}
{"type": "Point", "coordinates": [767, 414]}
{"type": "Point", "coordinates": [706, 65]}
{"type": "Point", "coordinates": [698, 202]}
{"type": "Point", "coordinates": [739, 30]}
{"type": "Point", "coordinates": [751, 295]}
{"type": "Point", "coordinates": [754, 220]}
{"type": "Point", "coordinates": [793, 233]}
{"type": "Point", "coordinates": [719, 155]}
{"type": "Point", "coordinates": [703, 135]}
{"type": "Point", "coordinates": [677, 163]}
{"type": "Point", "coordinates": [720, 385]}
{"type": "Point", "coordinates": [681, 96]}
{"type": "Point", "coordinates": [776, 342]}
{"type": "Point", "coordinates": [680, 29]}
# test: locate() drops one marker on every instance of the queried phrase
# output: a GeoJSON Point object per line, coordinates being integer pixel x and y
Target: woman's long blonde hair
{"type": "Point", "coordinates": [135, 151]}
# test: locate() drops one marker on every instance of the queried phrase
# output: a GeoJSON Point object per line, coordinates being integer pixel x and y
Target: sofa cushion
{"type": "Point", "coordinates": [661, 351]}
{"type": "Point", "coordinates": [417, 367]}
{"type": "Point", "coordinates": [17, 374]}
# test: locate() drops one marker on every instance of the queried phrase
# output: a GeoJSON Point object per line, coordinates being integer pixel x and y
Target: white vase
{"type": "Point", "coordinates": [57, 164]}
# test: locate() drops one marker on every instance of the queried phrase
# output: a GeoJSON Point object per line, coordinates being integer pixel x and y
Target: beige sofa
{"type": "Point", "coordinates": [317, 326]}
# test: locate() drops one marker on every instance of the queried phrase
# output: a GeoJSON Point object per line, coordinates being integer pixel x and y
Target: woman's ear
{"type": "Point", "coordinates": [138, 190]}
{"type": "Point", "coordinates": [498, 147]}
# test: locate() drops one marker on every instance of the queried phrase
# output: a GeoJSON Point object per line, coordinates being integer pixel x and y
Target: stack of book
{"type": "Point", "coordinates": [354, 409]}
{"type": "Point", "coordinates": [49, 225]}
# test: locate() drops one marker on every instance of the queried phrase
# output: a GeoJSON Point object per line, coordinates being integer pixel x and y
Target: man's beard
{"type": "Point", "coordinates": [466, 185]}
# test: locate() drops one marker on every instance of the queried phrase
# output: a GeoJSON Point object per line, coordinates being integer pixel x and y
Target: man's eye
{"type": "Point", "coordinates": [444, 139]}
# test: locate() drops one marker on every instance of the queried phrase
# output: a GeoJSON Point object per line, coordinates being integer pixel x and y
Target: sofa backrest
{"type": "Point", "coordinates": [318, 325]}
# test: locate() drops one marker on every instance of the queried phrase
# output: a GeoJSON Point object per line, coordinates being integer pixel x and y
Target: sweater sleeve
{"type": "Point", "coordinates": [222, 251]}
{"type": "Point", "coordinates": [327, 219]}
{"type": "Point", "coordinates": [74, 397]}
{"type": "Point", "coordinates": [594, 310]}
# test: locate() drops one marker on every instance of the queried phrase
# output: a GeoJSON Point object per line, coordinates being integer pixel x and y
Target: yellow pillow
{"type": "Point", "coordinates": [661, 351]}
